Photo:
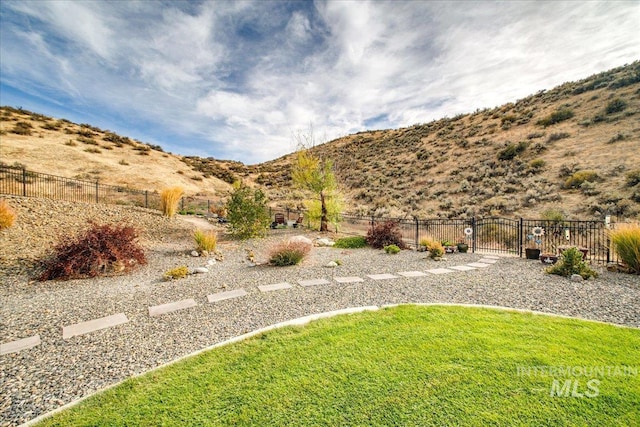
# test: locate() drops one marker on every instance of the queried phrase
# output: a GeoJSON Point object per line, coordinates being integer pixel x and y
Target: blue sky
{"type": "Point", "coordinates": [236, 80]}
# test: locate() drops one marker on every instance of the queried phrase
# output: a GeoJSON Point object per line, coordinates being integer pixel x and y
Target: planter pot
{"type": "Point", "coordinates": [450, 249]}
{"type": "Point", "coordinates": [548, 259]}
{"type": "Point", "coordinates": [532, 253]}
{"type": "Point", "coordinates": [463, 247]}
{"type": "Point", "coordinates": [584, 251]}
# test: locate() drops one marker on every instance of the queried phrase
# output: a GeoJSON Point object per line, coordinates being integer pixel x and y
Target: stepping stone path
{"type": "Point", "coordinates": [276, 287]}
{"type": "Point", "coordinates": [221, 296]}
{"type": "Point", "coordinates": [93, 325]}
{"type": "Point", "coordinates": [158, 310]}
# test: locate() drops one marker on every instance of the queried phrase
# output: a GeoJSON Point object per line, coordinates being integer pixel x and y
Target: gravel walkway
{"type": "Point", "coordinates": [58, 371]}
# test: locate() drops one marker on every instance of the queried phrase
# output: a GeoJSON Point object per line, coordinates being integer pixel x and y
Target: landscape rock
{"type": "Point", "coordinates": [211, 262]}
{"type": "Point", "coordinates": [195, 253]}
{"type": "Point", "coordinates": [331, 264]}
{"type": "Point", "coordinates": [300, 239]}
{"type": "Point", "coordinates": [325, 242]}
{"type": "Point", "coordinates": [201, 270]}
{"type": "Point", "coordinates": [576, 278]}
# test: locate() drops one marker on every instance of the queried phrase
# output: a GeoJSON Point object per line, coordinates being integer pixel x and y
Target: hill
{"type": "Point", "coordinates": [574, 148]}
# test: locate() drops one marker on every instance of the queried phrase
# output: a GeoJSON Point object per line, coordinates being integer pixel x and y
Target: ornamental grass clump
{"type": "Point", "coordinates": [626, 242]}
{"type": "Point", "coordinates": [288, 253]}
{"type": "Point", "coordinates": [571, 263]}
{"type": "Point", "coordinates": [205, 240]}
{"type": "Point", "coordinates": [100, 250]}
{"type": "Point", "coordinates": [434, 247]}
{"type": "Point", "coordinates": [177, 273]}
{"type": "Point", "coordinates": [169, 199]}
{"type": "Point", "coordinates": [7, 215]}
{"type": "Point", "coordinates": [385, 234]}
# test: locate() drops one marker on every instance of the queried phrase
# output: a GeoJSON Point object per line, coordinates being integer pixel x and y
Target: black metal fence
{"type": "Point", "coordinates": [21, 182]}
{"type": "Point", "coordinates": [501, 235]}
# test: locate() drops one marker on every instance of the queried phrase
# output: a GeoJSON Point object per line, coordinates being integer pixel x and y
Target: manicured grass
{"type": "Point", "coordinates": [407, 365]}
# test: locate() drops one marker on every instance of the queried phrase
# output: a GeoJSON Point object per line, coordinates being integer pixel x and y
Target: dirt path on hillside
{"type": "Point", "coordinates": [201, 223]}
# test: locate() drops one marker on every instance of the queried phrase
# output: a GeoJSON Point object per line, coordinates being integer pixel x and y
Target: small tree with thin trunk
{"type": "Point", "coordinates": [315, 176]}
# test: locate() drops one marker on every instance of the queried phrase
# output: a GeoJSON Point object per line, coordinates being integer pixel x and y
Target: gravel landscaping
{"type": "Point", "coordinates": [58, 371]}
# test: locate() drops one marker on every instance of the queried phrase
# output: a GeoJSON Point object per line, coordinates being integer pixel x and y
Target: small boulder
{"type": "Point", "coordinates": [211, 262]}
{"type": "Point", "coordinates": [195, 253]}
{"type": "Point", "coordinates": [300, 239]}
{"type": "Point", "coordinates": [331, 264]}
{"type": "Point", "coordinates": [325, 242]}
{"type": "Point", "coordinates": [576, 278]}
{"type": "Point", "coordinates": [200, 270]}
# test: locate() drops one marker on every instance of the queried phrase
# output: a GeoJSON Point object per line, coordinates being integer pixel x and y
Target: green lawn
{"type": "Point", "coordinates": [408, 365]}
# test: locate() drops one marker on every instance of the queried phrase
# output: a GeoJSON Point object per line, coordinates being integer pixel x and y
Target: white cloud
{"type": "Point", "coordinates": [235, 79]}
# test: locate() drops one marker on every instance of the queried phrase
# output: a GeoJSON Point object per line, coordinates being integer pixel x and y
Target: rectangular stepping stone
{"type": "Point", "coordinates": [221, 296]}
{"type": "Point", "coordinates": [492, 257]}
{"type": "Point", "coordinates": [275, 287]}
{"type": "Point", "coordinates": [348, 279]}
{"type": "Point", "coordinates": [19, 345]}
{"type": "Point", "coordinates": [384, 276]}
{"type": "Point", "coordinates": [412, 273]}
{"type": "Point", "coordinates": [439, 271]}
{"type": "Point", "coordinates": [93, 325]}
{"type": "Point", "coordinates": [313, 282]}
{"type": "Point", "coordinates": [158, 310]}
{"type": "Point", "coordinates": [478, 264]}
{"type": "Point", "coordinates": [488, 260]}
{"type": "Point", "coordinates": [462, 268]}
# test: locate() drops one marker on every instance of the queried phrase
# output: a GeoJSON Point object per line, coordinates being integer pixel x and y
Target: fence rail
{"type": "Point", "coordinates": [502, 235]}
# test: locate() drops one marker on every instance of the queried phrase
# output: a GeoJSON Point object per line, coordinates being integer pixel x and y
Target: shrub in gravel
{"type": "Point", "coordinates": [626, 241]}
{"type": "Point", "coordinates": [570, 263]}
{"type": "Point", "coordinates": [169, 198]}
{"type": "Point", "coordinates": [205, 240]}
{"type": "Point", "coordinates": [100, 250]}
{"type": "Point", "coordinates": [392, 249]}
{"type": "Point", "coordinates": [177, 273]}
{"type": "Point", "coordinates": [7, 215]}
{"type": "Point", "coordinates": [353, 242]}
{"type": "Point", "coordinates": [384, 234]}
{"type": "Point", "coordinates": [435, 248]}
{"type": "Point", "coordinates": [288, 253]}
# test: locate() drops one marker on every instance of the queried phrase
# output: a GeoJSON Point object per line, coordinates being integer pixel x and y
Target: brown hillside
{"type": "Point", "coordinates": [575, 148]}
{"type": "Point", "coordinates": [453, 168]}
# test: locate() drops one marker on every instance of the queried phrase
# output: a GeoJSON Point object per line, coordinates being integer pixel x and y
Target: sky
{"type": "Point", "coordinates": [243, 80]}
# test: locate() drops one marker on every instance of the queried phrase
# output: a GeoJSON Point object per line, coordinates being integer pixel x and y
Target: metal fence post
{"type": "Point", "coordinates": [24, 182]}
{"type": "Point", "coordinates": [520, 237]}
{"type": "Point", "coordinates": [474, 234]}
{"type": "Point", "coordinates": [415, 218]}
{"type": "Point", "coordinates": [97, 192]}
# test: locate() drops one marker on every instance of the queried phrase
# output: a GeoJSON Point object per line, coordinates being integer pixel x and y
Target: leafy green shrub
{"type": "Point", "coordinates": [571, 262]}
{"type": "Point", "coordinates": [392, 249]}
{"type": "Point", "coordinates": [551, 214]}
{"type": "Point", "coordinates": [384, 234]}
{"type": "Point", "coordinates": [247, 212]}
{"type": "Point", "coordinates": [512, 151]}
{"type": "Point", "coordinates": [633, 178]}
{"type": "Point", "coordinates": [176, 273]}
{"type": "Point", "coordinates": [556, 117]}
{"type": "Point", "coordinates": [100, 250]}
{"type": "Point", "coordinates": [615, 106]}
{"type": "Point", "coordinates": [205, 240]}
{"type": "Point", "coordinates": [626, 241]}
{"type": "Point", "coordinates": [288, 253]}
{"type": "Point", "coordinates": [434, 247]}
{"type": "Point", "coordinates": [7, 215]}
{"type": "Point", "coordinates": [169, 198]}
{"type": "Point", "coordinates": [353, 242]}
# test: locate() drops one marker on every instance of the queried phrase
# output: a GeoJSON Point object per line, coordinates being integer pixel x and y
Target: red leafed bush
{"type": "Point", "coordinates": [385, 234]}
{"type": "Point", "coordinates": [100, 250]}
